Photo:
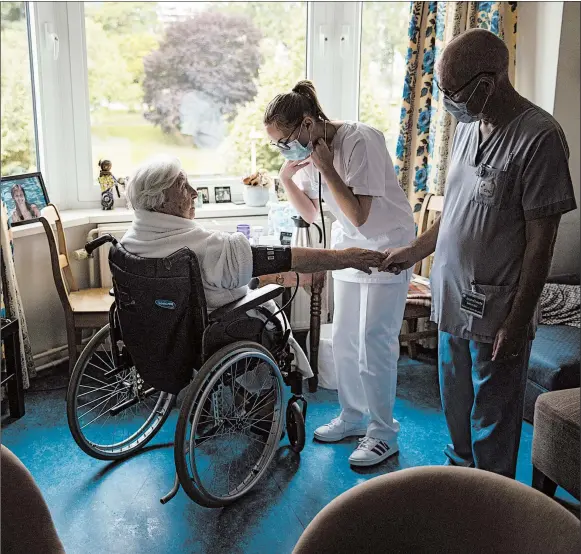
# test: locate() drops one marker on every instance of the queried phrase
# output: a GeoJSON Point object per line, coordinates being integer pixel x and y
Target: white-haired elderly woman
{"type": "Point", "coordinates": [164, 204]}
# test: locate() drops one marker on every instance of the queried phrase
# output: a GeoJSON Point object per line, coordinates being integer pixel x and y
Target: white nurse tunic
{"type": "Point", "coordinates": [368, 308]}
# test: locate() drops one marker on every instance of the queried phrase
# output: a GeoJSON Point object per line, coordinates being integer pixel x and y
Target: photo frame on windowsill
{"type": "Point", "coordinates": [222, 195]}
{"type": "Point", "coordinates": [204, 194]}
{"type": "Point", "coordinates": [24, 196]}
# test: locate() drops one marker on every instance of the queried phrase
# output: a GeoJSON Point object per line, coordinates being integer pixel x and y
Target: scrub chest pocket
{"type": "Point", "coordinates": [490, 186]}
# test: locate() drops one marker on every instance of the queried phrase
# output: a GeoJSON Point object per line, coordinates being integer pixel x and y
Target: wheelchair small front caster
{"type": "Point", "coordinates": [295, 426]}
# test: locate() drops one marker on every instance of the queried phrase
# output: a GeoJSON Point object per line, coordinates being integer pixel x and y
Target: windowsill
{"type": "Point", "coordinates": [76, 218]}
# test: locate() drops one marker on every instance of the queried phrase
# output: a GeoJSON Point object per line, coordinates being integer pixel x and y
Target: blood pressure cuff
{"type": "Point", "coordinates": [270, 259]}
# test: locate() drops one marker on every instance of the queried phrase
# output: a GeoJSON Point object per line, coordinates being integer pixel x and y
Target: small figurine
{"type": "Point", "coordinates": [107, 181]}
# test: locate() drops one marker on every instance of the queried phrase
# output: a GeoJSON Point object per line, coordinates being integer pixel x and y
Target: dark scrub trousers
{"type": "Point", "coordinates": [518, 174]}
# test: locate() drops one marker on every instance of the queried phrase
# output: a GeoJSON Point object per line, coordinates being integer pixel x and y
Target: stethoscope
{"type": "Point", "coordinates": [321, 200]}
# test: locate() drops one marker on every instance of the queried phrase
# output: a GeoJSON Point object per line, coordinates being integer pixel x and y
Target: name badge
{"type": "Point", "coordinates": [473, 303]}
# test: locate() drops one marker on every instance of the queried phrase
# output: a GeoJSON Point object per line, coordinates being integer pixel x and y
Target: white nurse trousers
{"type": "Point", "coordinates": [366, 325]}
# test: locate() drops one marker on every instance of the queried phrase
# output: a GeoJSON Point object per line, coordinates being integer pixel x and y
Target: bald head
{"type": "Point", "coordinates": [470, 53]}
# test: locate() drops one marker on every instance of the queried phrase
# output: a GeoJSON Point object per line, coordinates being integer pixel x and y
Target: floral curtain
{"type": "Point", "coordinates": [425, 126]}
{"type": "Point", "coordinates": [11, 303]}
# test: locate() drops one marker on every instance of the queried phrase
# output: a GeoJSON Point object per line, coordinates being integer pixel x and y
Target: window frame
{"type": "Point", "coordinates": [33, 74]}
{"type": "Point", "coordinates": [332, 61]}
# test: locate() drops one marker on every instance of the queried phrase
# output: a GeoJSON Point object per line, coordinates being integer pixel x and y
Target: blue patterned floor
{"type": "Point", "coordinates": [100, 507]}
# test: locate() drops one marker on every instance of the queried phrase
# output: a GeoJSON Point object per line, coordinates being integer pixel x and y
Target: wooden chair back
{"type": "Point", "coordinates": [61, 268]}
{"type": "Point", "coordinates": [431, 206]}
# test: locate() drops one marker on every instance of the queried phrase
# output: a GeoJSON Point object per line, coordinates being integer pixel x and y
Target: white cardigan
{"type": "Point", "coordinates": [225, 259]}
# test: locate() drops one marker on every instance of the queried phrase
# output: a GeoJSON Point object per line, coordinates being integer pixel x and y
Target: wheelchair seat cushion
{"type": "Point", "coordinates": [161, 309]}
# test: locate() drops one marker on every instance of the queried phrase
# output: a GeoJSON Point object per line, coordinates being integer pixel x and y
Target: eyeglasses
{"type": "Point", "coordinates": [282, 144]}
{"type": "Point", "coordinates": [450, 94]}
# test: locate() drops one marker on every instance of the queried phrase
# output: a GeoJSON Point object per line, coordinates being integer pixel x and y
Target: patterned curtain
{"type": "Point", "coordinates": [425, 126]}
{"type": "Point", "coordinates": [11, 303]}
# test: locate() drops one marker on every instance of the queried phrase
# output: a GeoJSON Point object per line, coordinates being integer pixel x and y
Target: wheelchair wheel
{"type": "Point", "coordinates": [110, 414]}
{"type": "Point", "coordinates": [295, 426]}
{"type": "Point", "coordinates": [229, 425]}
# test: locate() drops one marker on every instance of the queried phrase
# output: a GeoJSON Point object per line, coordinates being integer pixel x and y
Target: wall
{"type": "Point", "coordinates": [567, 112]}
{"type": "Point", "coordinates": [547, 73]}
{"type": "Point", "coordinates": [537, 51]}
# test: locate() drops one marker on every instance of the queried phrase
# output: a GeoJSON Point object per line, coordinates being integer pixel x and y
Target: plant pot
{"type": "Point", "coordinates": [257, 197]}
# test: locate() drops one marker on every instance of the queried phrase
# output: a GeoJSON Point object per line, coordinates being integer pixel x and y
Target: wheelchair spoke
{"type": "Point", "coordinates": [109, 395]}
{"type": "Point", "coordinates": [105, 361]}
{"type": "Point", "coordinates": [103, 400]}
{"type": "Point", "coordinates": [106, 388]}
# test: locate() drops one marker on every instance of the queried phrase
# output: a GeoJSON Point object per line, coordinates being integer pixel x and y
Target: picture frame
{"type": "Point", "coordinates": [204, 194]}
{"type": "Point", "coordinates": [24, 196]}
{"type": "Point", "coordinates": [223, 195]}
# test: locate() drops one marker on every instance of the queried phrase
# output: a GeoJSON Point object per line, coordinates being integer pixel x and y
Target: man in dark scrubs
{"type": "Point", "coordinates": [508, 184]}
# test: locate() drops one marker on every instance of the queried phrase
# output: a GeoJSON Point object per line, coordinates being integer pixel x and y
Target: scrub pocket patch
{"type": "Point", "coordinates": [489, 186]}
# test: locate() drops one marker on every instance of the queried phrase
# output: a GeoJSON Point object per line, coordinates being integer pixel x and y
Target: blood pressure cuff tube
{"type": "Point", "coordinates": [270, 259]}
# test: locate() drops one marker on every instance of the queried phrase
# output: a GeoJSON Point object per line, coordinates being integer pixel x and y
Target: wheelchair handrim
{"type": "Point", "coordinates": [260, 466]}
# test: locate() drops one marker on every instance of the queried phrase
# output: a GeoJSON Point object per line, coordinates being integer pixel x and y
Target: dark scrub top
{"type": "Point", "coordinates": [519, 173]}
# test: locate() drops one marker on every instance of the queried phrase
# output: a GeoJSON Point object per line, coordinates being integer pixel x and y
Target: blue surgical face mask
{"type": "Point", "coordinates": [296, 151]}
{"type": "Point", "coordinates": [460, 110]}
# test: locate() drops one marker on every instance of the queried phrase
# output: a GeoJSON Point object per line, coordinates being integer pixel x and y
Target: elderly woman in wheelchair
{"type": "Point", "coordinates": [183, 318]}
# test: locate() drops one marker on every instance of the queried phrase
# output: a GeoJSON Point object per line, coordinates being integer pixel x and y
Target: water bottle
{"type": "Point", "coordinates": [257, 232]}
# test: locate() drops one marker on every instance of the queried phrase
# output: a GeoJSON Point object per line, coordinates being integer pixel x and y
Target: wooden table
{"type": "Point", "coordinates": [316, 281]}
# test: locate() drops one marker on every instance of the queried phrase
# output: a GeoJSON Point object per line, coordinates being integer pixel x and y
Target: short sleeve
{"type": "Point", "coordinates": [304, 180]}
{"type": "Point", "coordinates": [365, 167]}
{"type": "Point", "coordinates": [547, 186]}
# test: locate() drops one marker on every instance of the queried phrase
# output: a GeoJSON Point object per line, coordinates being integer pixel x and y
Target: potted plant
{"type": "Point", "coordinates": [256, 189]}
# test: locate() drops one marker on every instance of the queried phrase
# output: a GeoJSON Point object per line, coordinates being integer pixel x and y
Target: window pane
{"type": "Point", "coordinates": [189, 79]}
{"type": "Point", "coordinates": [18, 142]}
{"type": "Point", "coordinates": [384, 42]}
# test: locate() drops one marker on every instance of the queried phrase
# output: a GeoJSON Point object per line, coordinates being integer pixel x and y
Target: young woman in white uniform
{"type": "Point", "coordinates": [359, 186]}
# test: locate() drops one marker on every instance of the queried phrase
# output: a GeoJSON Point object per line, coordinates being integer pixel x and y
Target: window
{"type": "Point", "coordinates": [18, 141]}
{"type": "Point", "coordinates": [190, 79]}
{"type": "Point", "coordinates": [384, 42]}
{"type": "Point", "coordinates": [129, 80]}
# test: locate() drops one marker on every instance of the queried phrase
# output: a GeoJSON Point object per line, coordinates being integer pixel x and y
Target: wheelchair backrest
{"type": "Point", "coordinates": [161, 309]}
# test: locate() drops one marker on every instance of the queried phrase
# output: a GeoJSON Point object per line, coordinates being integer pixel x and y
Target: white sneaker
{"type": "Point", "coordinates": [338, 430]}
{"type": "Point", "coordinates": [372, 451]}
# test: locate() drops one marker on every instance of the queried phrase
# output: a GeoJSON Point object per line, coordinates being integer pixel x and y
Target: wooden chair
{"type": "Point", "coordinates": [84, 309]}
{"type": "Point", "coordinates": [432, 205]}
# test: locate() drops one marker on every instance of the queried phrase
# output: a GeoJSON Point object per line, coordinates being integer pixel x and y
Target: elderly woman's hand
{"type": "Point", "coordinates": [361, 259]}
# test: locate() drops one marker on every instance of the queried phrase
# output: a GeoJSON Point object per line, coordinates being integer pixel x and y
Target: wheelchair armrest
{"type": "Point", "coordinates": [253, 299]}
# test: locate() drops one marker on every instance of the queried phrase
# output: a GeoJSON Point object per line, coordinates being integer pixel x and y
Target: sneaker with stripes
{"type": "Point", "coordinates": [372, 451]}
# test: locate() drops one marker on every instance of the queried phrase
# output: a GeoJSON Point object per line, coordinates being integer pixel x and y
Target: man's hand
{"type": "Point", "coordinates": [322, 157]}
{"type": "Point", "coordinates": [361, 259]}
{"type": "Point", "coordinates": [290, 168]}
{"type": "Point", "coordinates": [398, 259]}
{"type": "Point", "coordinates": [509, 342]}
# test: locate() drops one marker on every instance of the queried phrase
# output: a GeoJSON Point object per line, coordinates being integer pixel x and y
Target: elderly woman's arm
{"type": "Point", "coordinates": [267, 260]}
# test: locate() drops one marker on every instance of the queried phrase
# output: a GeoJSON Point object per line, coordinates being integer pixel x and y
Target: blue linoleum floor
{"type": "Point", "coordinates": [101, 507]}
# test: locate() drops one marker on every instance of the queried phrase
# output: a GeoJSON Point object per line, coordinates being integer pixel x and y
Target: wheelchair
{"type": "Point", "coordinates": [161, 341]}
